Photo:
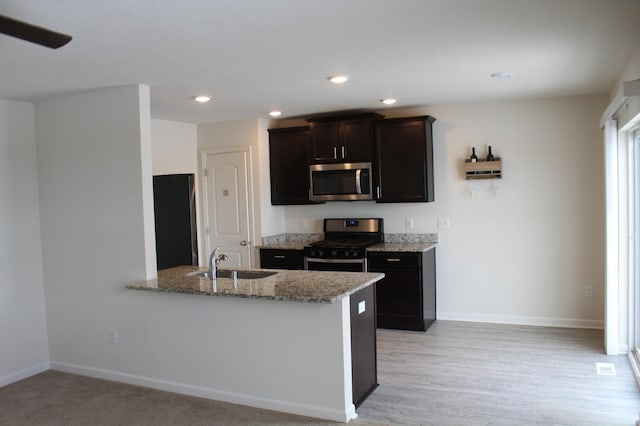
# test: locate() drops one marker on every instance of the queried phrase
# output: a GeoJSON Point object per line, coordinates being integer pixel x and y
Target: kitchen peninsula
{"type": "Point", "coordinates": [294, 341]}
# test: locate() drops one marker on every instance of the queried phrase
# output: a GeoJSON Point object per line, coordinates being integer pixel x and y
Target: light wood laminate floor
{"type": "Point", "coordinates": [460, 373]}
{"type": "Point", "coordinates": [456, 373]}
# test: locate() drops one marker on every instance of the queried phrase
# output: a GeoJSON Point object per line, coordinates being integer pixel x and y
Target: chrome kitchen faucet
{"type": "Point", "coordinates": [214, 261]}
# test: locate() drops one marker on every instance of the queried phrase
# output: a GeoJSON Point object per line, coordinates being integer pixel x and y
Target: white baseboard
{"type": "Point", "coordinates": [209, 393]}
{"type": "Point", "coordinates": [522, 320]}
{"type": "Point", "coordinates": [24, 373]}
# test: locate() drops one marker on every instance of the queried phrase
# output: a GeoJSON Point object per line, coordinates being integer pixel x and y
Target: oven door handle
{"type": "Point", "coordinates": [320, 260]}
{"type": "Point", "coordinates": [359, 261]}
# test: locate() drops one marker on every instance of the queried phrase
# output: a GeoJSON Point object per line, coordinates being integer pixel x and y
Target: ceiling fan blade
{"type": "Point", "coordinates": [32, 33]}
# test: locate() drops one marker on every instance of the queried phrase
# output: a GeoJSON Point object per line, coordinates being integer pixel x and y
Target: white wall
{"type": "Point", "coordinates": [23, 328]}
{"type": "Point", "coordinates": [174, 147]}
{"type": "Point", "coordinates": [526, 255]}
{"type": "Point", "coordinates": [90, 170]}
{"type": "Point", "coordinates": [631, 71]}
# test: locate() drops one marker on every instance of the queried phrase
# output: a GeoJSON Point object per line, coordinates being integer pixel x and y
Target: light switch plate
{"type": "Point", "coordinates": [443, 223]}
{"type": "Point", "coordinates": [361, 307]}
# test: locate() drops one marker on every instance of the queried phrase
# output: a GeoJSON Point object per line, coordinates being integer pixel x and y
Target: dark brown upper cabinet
{"type": "Point", "coordinates": [289, 165]}
{"type": "Point", "coordinates": [404, 151]}
{"type": "Point", "coordinates": [343, 139]}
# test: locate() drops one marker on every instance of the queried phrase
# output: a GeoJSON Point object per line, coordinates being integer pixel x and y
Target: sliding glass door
{"type": "Point", "coordinates": [634, 238]}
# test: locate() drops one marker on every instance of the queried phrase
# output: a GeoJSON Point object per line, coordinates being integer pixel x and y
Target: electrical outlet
{"type": "Point", "coordinates": [588, 291]}
{"type": "Point", "coordinates": [113, 336]}
{"type": "Point", "coordinates": [443, 223]}
{"type": "Point", "coordinates": [408, 223]}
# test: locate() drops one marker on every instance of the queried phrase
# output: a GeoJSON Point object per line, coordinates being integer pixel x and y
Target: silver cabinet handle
{"type": "Point", "coordinates": [378, 191]}
{"type": "Point", "coordinates": [244, 243]}
{"type": "Point", "coordinates": [393, 259]}
{"type": "Point", "coordinates": [279, 256]}
{"type": "Point", "coordinates": [335, 152]}
{"type": "Point", "coordinates": [343, 152]}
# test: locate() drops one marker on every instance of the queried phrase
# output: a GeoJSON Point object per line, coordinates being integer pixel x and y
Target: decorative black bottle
{"type": "Point", "coordinates": [490, 156]}
{"type": "Point", "coordinates": [474, 157]}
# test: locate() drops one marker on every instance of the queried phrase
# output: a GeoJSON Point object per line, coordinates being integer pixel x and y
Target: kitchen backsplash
{"type": "Point", "coordinates": [308, 238]}
{"type": "Point", "coordinates": [291, 238]}
{"type": "Point", "coordinates": [411, 238]}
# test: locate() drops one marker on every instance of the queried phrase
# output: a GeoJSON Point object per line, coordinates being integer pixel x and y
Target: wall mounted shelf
{"type": "Point", "coordinates": [483, 169]}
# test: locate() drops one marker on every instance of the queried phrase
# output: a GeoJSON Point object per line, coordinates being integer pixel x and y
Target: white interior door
{"type": "Point", "coordinates": [227, 204]}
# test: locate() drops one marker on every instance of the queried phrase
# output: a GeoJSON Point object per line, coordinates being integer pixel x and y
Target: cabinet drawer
{"type": "Point", "coordinates": [281, 259]}
{"type": "Point", "coordinates": [386, 259]}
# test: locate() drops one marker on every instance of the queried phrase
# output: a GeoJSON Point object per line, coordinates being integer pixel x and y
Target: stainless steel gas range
{"type": "Point", "coordinates": [344, 245]}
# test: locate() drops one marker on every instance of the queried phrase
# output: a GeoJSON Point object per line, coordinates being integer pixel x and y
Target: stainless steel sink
{"type": "Point", "coordinates": [245, 275]}
{"type": "Point", "coordinates": [227, 273]}
{"type": "Point", "coordinates": [199, 274]}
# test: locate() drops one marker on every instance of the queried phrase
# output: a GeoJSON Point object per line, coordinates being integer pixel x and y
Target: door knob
{"type": "Point", "coordinates": [244, 243]}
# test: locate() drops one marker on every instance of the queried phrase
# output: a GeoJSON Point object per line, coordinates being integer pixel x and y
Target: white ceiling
{"type": "Point", "coordinates": [252, 56]}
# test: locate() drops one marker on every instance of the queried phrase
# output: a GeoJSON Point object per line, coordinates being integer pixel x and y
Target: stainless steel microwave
{"type": "Point", "coordinates": [340, 182]}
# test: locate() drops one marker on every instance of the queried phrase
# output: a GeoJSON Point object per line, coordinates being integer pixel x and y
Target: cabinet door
{"type": "Point", "coordinates": [343, 138]}
{"type": "Point", "coordinates": [356, 139]}
{"type": "Point", "coordinates": [324, 141]}
{"type": "Point", "coordinates": [404, 149]}
{"type": "Point", "coordinates": [281, 259]}
{"type": "Point", "coordinates": [289, 166]}
{"type": "Point", "coordinates": [399, 295]}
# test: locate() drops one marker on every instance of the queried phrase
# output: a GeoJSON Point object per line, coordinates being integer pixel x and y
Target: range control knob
{"type": "Point", "coordinates": [334, 252]}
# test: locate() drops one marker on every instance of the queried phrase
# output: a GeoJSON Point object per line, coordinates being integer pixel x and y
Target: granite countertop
{"type": "Point", "coordinates": [415, 243]}
{"type": "Point", "coordinates": [285, 245]}
{"type": "Point", "coordinates": [398, 247]}
{"type": "Point", "coordinates": [402, 247]}
{"type": "Point", "coordinates": [295, 286]}
{"type": "Point", "coordinates": [289, 241]}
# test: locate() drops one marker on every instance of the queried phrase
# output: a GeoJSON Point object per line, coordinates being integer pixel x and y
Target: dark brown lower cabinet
{"type": "Point", "coordinates": [406, 296]}
{"type": "Point", "coordinates": [281, 259]}
{"type": "Point", "coordinates": [363, 344]}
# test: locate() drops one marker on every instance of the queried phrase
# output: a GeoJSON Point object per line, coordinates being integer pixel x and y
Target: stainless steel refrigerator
{"type": "Point", "coordinates": [174, 200]}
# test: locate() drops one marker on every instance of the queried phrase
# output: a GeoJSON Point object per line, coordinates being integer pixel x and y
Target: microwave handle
{"type": "Point", "coordinates": [358, 182]}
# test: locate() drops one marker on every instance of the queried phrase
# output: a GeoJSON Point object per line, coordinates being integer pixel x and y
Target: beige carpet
{"type": "Point", "coordinates": [55, 398]}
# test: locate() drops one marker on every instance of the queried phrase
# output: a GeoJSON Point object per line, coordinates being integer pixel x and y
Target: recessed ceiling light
{"type": "Point", "coordinates": [275, 113]}
{"type": "Point", "coordinates": [338, 79]}
{"type": "Point", "coordinates": [388, 101]}
{"type": "Point", "coordinates": [203, 99]}
{"type": "Point", "coordinates": [503, 75]}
